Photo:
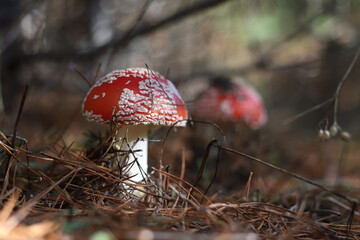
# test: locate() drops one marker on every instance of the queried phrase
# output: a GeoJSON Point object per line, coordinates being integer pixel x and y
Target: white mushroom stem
{"type": "Point", "coordinates": [135, 139]}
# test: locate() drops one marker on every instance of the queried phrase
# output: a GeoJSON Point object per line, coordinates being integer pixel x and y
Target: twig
{"type": "Point", "coordinates": [128, 34]}
{"type": "Point", "coordinates": [131, 30]}
{"type": "Point", "coordinates": [19, 115]}
{"type": "Point", "coordinates": [334, 99]}
{"type": "Point", "coordinates": [203, 162]}
{"type": "Point", "coordinates": [83, 77]}
{"type": "Point", "coordinates": [215, 174]}
{"type": "Point", "coordinates": [341, 84]}
{"type": "Point", "coordinates": [168, 133]}
{"type": "Point", "coordinates": [7, 167]}
{"type": "Point", "coordinates": [96, 74]}
{"type": "Point", "coordinates": [300, 115]}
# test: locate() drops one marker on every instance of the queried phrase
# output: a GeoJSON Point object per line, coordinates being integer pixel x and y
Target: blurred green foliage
{"type": "Point", "coordinates": [255, 23]}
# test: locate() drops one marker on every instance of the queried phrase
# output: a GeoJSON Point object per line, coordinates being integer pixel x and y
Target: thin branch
{"type": "Point", "coordinates": [143, 30]}
{"type": "Point", "coordinates": [128, 34]}
{"type": "Point", "coordinates": [123, 41]}
{"type": "Point", "coordinates": [19, 115]}
{"type": "Point", "coordinates": [83, 77]}
{"type": "Point", "coordinates": [215, 174]}
{"type": "Point", "coordinates": [203, 162]}
{"type": "Point", "coordinates": [314, 108]}
{"type": "Point", "coordinates": [131, 30]}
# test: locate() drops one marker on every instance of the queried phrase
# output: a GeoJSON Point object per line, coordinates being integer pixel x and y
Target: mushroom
{"type": "Point", "coordinates": [226, 101]}
{"type": "Point", "coordinates": [134, 98]}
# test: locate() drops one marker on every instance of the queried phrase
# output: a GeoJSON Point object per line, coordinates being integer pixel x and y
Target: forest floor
{"type": "Point", "coordinates": [68, 190]}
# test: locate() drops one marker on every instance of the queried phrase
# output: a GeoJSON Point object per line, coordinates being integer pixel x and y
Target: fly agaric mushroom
{"type": "Point", "coordinates": [134, 98]}
{"type": "Point", "coordinates": [226, 101]}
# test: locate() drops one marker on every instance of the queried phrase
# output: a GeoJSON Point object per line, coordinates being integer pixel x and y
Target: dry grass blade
{"type": "Point", "coordinates": [10, 227]}
{"type": "Point", "coordinates": [180, 182]}
{"type": "Point", "coordinates": [265, 219]}
{"type": "Point", "coordinates": [8, 208]}
{"type": "Point", "coordinates": [83, 77]}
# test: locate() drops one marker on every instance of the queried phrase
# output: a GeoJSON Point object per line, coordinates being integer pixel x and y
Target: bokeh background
{"type": "Point", "coordinates": [293, 52]}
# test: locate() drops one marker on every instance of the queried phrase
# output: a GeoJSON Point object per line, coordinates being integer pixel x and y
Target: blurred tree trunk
{"type": "Point", "coordinates": [67, 26]}
{"type": "Point", "coordinates": [10, 11]}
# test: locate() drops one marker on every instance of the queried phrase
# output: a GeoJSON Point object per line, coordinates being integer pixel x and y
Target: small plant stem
{"type": "Point", "coordinates": [334, 99]}
{"type": "Point", "coordinates": [341, 84]}
{"type": "Point", "coordinates": [316, 107]}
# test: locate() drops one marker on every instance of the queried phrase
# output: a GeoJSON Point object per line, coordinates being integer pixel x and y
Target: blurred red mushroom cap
{"type": "Point", "coordinates": [135, 96]}
{"type": "Point", "coordinates": [232, 103]}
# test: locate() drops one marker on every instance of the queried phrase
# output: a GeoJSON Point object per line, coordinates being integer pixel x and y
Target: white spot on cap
{"type": "Point", "coordinates": [155, 104]}
{"type": "Point", "coordinates": [225, 107]}
{"type": "Point", "coordinates": [93, 117]}
{"type": "Point", "coordinates": [96, 96]}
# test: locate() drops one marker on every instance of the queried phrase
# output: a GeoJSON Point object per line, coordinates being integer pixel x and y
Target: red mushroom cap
{"type": "Point", "coordinates": [135, 96]}
{"type": "Point", "coordinates": [240, 102]}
